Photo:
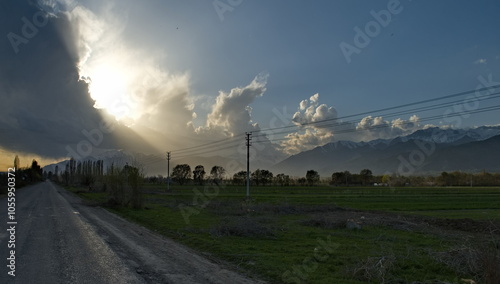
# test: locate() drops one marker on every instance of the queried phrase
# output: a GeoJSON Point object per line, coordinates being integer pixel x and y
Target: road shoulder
{"type": "Point", "coordinates": [155, 257]}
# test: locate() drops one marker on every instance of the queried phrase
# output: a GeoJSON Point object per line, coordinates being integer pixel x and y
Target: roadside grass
{"type": "Point", "coordinates": [281, 235]}
{"type": "Point", "coordinates": [92, 198]}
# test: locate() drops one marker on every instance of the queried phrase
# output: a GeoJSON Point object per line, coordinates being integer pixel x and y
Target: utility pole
{"type": "Point", "coordinates": [168, 171]}
{"type": "Point", "coordinates": [248, 144]}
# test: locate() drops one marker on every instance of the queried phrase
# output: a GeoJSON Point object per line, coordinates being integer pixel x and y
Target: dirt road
{"type": "Point", "coordinates": [60, 240]}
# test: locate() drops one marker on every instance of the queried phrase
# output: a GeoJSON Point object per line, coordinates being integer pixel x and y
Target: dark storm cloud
{"type": "Point", "coordinates": [44, 107]}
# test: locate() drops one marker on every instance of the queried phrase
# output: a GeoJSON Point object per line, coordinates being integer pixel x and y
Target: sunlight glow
{"type": "Point", "coordinates": [108, 87]}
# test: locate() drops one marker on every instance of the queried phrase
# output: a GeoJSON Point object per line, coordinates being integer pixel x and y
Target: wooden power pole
{"type": "Point", "coordinates": [168, 171]}
{"type": "Point", "coordinates": [248, 144]}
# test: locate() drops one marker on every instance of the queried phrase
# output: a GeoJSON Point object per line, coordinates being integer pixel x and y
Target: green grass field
{"type": "Point", "coordinates": [299, 234]}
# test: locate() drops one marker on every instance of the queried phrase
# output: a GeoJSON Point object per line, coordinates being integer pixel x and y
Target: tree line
{"type": "Point", "coordinates": [182, 175]}
{"type": "Point", "coordinates": [122, 183]}
{"type": "Point", "coordinates": [86, 173]}
{"type": "Point", "coordinates": [455, 178]}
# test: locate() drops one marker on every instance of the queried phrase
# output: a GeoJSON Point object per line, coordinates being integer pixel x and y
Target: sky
{"type": "Point", "coordinates": [79, 78]}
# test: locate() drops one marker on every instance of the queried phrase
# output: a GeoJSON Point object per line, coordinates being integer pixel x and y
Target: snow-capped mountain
{"type": "Point", "coordinates": [438, 149]}
{"type": "Point", "coordinates": [457, 136]}
{"type": "Point", "coordinates": [431, 150]}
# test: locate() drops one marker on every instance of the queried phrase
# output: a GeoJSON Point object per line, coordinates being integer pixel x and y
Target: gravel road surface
{"type": "Point", "coordinates": [58, 239]}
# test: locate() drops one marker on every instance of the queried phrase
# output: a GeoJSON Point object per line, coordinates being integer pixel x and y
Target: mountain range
{"type": "Point", "coordinates": [428, 151]}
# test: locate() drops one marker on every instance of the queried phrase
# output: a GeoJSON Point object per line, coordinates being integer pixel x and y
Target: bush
{"type": "Point", "coordinates": [374, 269]}
{"type": "Point", "coordinates": [125, 186]}
{"type": "Point", "coordinates": [483, 264]}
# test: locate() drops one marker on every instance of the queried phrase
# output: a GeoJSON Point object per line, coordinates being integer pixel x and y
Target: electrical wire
{"type": "Point", "coordinates": [230, 142]}
{"type": "Point", "coordinates": [393, 114]}
{"type": "Point", "coordinates": [385, 125]}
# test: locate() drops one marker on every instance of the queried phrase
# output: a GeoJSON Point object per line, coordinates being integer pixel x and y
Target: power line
{"type": "Point", "coordinates": [410, 111]}
{"type": "Point", "coordinates": [231, 142]}
{"type": "Point", "coordinates": [385, 125]}
{"type": "Point", "coordinates": [225, 140]}
{"type": "Point", "coordinates": [390, 108]}
{"type": "Point", "coordinates": [208, 151]}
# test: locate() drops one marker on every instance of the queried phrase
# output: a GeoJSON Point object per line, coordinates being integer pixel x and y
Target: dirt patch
{"type": "Point", "coordinates": [466, 225]}
{"type": "Point", "coordinates": [338, 218]}
{"type": "Point", "coordinates": [244, 226]}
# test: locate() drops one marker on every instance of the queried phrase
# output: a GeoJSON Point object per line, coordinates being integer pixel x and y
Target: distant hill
{"type": "Point", "coordinates": [428, 151]}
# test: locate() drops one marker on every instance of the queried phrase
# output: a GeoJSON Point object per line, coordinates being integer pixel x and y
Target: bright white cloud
{"type": "Point", "coordinates": [311, 112]}
{"type": "Point", "coordinates": [231, 113]}
{"type": "Point", "coordinates": [312, 134]}
{"type": "Point", "coordinates": [303, 104]}
{"type": "Point", "coordinates": [297, 142]}
{"type": "Point", "coordinates": [370, 128]}
{"type": "Point", "coordinates": [370, 122]}
{"type": "Point", "coordinates": [319, 124]}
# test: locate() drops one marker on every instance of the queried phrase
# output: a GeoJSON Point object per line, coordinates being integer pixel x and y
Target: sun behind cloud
{"type": "Point", "coordinates": [107, 86]}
